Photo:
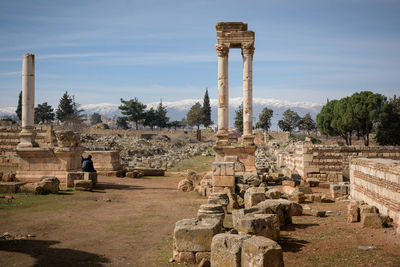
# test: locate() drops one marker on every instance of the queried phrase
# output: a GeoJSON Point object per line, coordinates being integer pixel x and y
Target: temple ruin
{"type": "Point", "coordinates": [233, 35]}
{"type": "Point", "coordinates": [62, 160]}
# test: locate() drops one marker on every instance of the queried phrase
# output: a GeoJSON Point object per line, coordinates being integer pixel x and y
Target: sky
{"type": "Point", "coordinates": [101, 51]}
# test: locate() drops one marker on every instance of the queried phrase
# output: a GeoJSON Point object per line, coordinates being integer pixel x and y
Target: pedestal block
{"type": "Point", "coordinates": [246, 154]}
{"type": "Point", "coordinates": [36, 162]}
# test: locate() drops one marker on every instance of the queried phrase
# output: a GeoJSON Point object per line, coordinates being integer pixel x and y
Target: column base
{"type": "Point", "coordinates": [27, 137]}
{"type": "Point", "coordinates": [223, 138]}
{"type": "Point", "coordinates": [248, 140]}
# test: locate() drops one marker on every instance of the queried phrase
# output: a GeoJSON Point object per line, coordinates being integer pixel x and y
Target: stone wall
{"type": "Point", "coordinates": [377, 182]}
{"type": "Point", "coordinates": [330, 163]}
{"type": "Point", "coordinates": [105, 162]}
{"type": "Point", "coordinates": [277, 136]}
{"type": "Point", "coordinates": [9, 139]}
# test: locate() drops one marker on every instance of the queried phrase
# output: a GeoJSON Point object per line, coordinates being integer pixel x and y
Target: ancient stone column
{"type": "Point", "coordinates": [223, 95]}
{"type": "Point", "coordinates": [28, 101]}
{"type": "Point", "coordinates": [247, 53]}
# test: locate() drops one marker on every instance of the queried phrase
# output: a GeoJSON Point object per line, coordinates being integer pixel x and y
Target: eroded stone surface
{"type": "Point", "coordinates": [260, 251]}
{"type": "Point", "coordinates": [194, 235]}
{"type": "Point", "coordinates": [226, 250]}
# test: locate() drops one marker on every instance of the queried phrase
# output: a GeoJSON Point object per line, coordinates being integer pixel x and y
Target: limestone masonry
{"type": "Point", "coordinates": [377, 182]}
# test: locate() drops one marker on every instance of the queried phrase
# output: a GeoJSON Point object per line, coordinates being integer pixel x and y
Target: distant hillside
{"type": "Point", "coordinates": [178, 109]}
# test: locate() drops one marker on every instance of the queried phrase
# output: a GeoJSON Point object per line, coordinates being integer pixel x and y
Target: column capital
{"type": "Point", "coordinates": [222, 50]}
{"type": "Point", "coordinates": [248, 49]}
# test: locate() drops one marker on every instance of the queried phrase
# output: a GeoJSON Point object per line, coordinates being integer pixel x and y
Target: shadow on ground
{"type": "Point", "coordinates": [104, 186]}
{"type": "Point", "coordinates": [293, 227]}
{"type": "Point", "coordinates": [291, 244]}
{"type": "Point", "coordinates": [45, 255]}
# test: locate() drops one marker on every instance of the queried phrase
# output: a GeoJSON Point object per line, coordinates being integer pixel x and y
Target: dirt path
{"type": "Point", "coordinates": [129, 222]}
{"type": "Point", "coordinates": [125, 222]}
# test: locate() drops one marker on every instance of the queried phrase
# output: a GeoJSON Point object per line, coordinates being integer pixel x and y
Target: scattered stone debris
{"type": "Point", "coordinates": [8, 236]}
{"type": "Point", "coordinates": [47, 185]}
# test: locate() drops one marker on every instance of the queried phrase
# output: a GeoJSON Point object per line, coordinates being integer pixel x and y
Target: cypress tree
{"type": "Point", "coordinates": [206, 110]}
{"type": "Point", "coordinates": [19, 107]}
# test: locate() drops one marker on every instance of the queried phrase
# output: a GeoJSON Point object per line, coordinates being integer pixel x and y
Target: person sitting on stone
{"type": "Point", "coordinates": [87, 164]}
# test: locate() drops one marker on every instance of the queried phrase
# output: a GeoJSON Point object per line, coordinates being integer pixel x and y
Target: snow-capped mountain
{"type": "Point", "coordinates": [8, 112]}
{"type": "Point", "coordinates": [178, 109]}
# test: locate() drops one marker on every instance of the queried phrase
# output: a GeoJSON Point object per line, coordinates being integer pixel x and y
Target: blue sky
{"type": "Point", "coordinates": [101, 51]}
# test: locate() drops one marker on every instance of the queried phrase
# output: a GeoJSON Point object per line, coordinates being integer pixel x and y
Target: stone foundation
{"type": "Point", "coordinates": [9, 139]}
{"type": "Point", "coordinates": [106, 163]}
{"type": "Point", "coordinates": [377, 182]}
{"type": "Point", "coordinates": [36, 162]}
{"type": "Point", "coordinates": [330, 163]}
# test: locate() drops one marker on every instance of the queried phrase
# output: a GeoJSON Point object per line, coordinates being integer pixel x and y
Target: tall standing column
{"type": "Point", "coordinates": [247, 53]}
{"type": "Point", "coordinates": [28, 101]}
{"type": "Point", "coordinates": [223, 95]}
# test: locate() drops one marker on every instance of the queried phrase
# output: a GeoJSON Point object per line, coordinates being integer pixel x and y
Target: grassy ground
{"type": "Point", "coordinates": [198, 164]}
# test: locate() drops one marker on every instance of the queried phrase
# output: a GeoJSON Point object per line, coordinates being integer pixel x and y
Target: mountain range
{"type": "Point", "coordinates": [178, 109]}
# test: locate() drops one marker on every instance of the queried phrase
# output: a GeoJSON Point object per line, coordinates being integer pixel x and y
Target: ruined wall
{"type": "Point", "coordinates": [277, 136]}
{"type": "Point", "coordinates": [9, 139]}
{"type": "Point", "coordinates": [104, 160]}
{"type": "Point", "coordinates": [377, 182]}
{"type": "Point", "coordinates": [330, 163]}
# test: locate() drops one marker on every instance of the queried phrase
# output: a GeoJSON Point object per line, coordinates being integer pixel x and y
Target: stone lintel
{"type": "Point", "coordinates": [231, 26]}
{"type": "Point", "coordinates": [235, 39]}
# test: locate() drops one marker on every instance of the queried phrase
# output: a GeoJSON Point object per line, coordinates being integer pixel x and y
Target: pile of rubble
{"type": "Point", "coordinates": [251, 242]}
{"type": "Point", "coordinates": [159, 152]}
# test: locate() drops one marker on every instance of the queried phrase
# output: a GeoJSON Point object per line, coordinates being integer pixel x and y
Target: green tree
{"type": "Point", "coordinates": [44, 113]}
{"type": "Point", "coordinates": [238, 121]}
{"type": "Point", "coordinates": [388, 126]}
{"type": "Point", "coordinates": [366, 109]}
{"type": "Point", "coordinates": [68, 109]}
{"type": "Point", "coordinates": [344, 121]}
{"type": "Point", "coordinates": [19, 107]}
{"type": "Point", "coordinates": [95, 118]}
{"type": "Point", "coordinates": [183, 123]}
{"type": "Point", "coordinates": [175, 124]}
{"type": "Point", "coordinates": [133, 109]}
{"type": "Point", "coordinates": [122, 122]}
{"type": "Point", "coordinates": [195, 115]}
{"type": "Point", "coordinates": [307, 124]}
{"type": "Point", "coordinates": [150, 118]}
{"type": "Point", "coordinates": [161, 115]}
{"type": "Point", "coordinates": [325, 118]}
{"type": "Point", "coordinates": [290, 121]}
{"type": "Point", "coordinates": [206, 110]}
{"type": "Point", "coordinates": [264, 119]}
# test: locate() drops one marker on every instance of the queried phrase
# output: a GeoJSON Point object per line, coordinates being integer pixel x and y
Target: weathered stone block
{"type": "Point", "coordinates": [253, 198]}
{"type": "Point", "coordinates": [289, 183]}
{"type": "Point", "coordinates": [50, 184]}
{"type": "Point", "coordinates": [312, 182]}
{"type": "Point", "coordinates": [185, 185]}
{"type": "Point", "coordinates": [305, 190]}
{"type": "Point", "coordinates": [211, 211]}
{"type": "Point", "coordinates": [194, 235]}
{"type": "Point", "coordinates": [91, 176]}
{"type": "Point", "coordinates": [226, 250]}
{"type": "Point", "coordinates": [339, 190]}
{"type": "Point", "coordinates": [318, 213]}
{"type": "Point", "coordinates": [353, 214]}
{"type": "Point", "coordinates": [364, 209]}
{"type": "Point", "coordinates": [83, 185]}
{"type": "Point", "coordinates": [371, 220]}
{"type": "Point", "coordinates": [273, 194]}
{"type": "Point", "coordinates": [200, 256]}
{"type": "Point", "coordinates": [260, 224]}
{"type": "Point", "coordinates": [298, 197]}
{"type": "Point", "coordinates": [261, 251]}
{"type": "Point", "coordinates": [224, 181]}
{"type": "Point", "coordinates": [186, 257]}
{"type": "Point", "coordinates": [72, 176]}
